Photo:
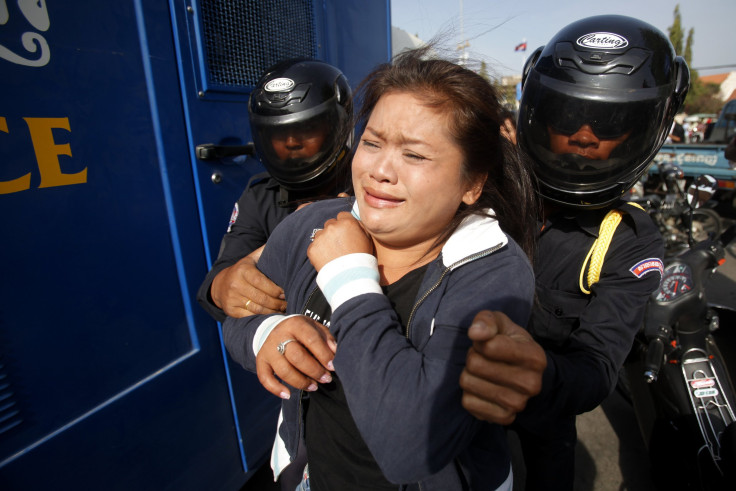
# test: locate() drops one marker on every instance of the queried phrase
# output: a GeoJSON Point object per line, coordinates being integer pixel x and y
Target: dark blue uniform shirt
{"type": "Point", "coordinates": [587, 336]}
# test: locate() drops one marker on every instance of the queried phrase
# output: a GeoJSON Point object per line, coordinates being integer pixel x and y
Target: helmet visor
{"type": "Point", "coordinates": [296, 150]}
{"type": "Point", "coordinates": [583, 144]}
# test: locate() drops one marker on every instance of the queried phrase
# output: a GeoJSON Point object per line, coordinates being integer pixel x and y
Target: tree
{"type": "Point", "coordinates": [483, 72]}
{"type": "Point", "coordinates": [677, 35]}
{"type": "Point", "coordinates": [506, 93]}
{"type": "Point", "coordinates": [675, 31]}
{"type": "Point", "coordinates": [701, 98]}
{"type": "Point", "coordinates": [688, 53]}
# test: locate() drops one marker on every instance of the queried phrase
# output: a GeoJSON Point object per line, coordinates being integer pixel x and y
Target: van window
{"type": "Point", "coordinates": [727, 118]}
{"type": "Point", "coordinates": [725, 127]}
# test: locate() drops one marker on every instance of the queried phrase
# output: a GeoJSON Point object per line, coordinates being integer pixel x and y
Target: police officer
{"type": "Point", "coordinates": [598, 102]}
{"type": "Point", "coordinates": [300, 114]}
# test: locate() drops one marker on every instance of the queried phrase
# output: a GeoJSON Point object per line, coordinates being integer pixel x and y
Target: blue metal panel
{"type": "Point", "coordinates": [357, 36]}
{"type": "Point", "coordinates": [110, 375]}
{"type": "Point", "coordinates": [114, 376]}
{"type": "Point", "coordinates": [351, 35]}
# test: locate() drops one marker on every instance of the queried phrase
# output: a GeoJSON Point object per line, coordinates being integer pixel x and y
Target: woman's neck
{"type": "Point", "coordinates": [395, 262]}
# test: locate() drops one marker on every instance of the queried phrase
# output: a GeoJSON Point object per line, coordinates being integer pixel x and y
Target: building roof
{"type": "Point", "coordinates": [717, 78]}
{"type": "Point", "coordinates": [726, 83]}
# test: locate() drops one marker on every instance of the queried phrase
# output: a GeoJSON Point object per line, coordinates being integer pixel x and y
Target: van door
{"type": "Point", "coordinates": [111, 376]}
{"type": "Point", "coordinates": [224, 48]}
{"type": "Point", "coordinates": [725, 126]}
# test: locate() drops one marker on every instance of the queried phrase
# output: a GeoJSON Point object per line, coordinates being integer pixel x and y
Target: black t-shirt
{"type": "Point", "coordinates": [337, 454]}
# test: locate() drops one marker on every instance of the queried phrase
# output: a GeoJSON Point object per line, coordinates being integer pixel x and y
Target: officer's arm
{"type": "Point", "coordinates": [241, 290]}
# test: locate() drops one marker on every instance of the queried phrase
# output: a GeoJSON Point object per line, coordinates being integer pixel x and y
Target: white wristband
{"type": "Point", "coordinates": [265, 329]}
{"type": "Point", "coordinates": [347, 277]}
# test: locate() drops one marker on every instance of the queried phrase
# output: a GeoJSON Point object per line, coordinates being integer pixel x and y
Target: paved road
{"type": "Point", "coordinates": [610, 454]}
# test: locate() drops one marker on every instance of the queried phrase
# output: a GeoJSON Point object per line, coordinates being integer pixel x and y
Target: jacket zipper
{"type": "Point", "coordinates": [301, 393]}
{"type": "Point", "coordinates": [467, 259]}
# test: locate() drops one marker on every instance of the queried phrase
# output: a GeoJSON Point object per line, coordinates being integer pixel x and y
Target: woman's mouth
{"type": "Point", "coordinates": [378, 199]}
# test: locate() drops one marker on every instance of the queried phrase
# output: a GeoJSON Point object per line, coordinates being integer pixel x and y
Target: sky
{"type": "Point", "coordinates": [494, 28]}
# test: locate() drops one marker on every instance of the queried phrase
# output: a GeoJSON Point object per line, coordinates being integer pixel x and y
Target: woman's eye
{"type": "Point", "coordinates": [414, 156]}
{"type": "Point", "coordinates": [369, 144]}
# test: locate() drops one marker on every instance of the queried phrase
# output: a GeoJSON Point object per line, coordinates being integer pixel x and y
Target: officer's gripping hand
{"type": "Point", "coordinates": [503, 368]}
{"type": "Point", "coordinates": [242, 290]}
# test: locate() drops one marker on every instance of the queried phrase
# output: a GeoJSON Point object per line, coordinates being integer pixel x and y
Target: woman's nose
{"type": "Point", "coordinates": [384, 169]}
{"type": "Point", "coordinates": [584, 137]}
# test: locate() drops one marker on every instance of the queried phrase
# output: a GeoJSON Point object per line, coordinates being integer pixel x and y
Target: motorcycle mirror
{"type": "Point", "coordinates": [701, 190]}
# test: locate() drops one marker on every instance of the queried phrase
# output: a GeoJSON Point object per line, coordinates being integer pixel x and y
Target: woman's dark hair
{"type": "Point", "coordinates": [476, 116]}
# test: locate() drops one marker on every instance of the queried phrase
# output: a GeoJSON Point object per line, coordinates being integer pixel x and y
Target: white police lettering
{"type": "Point", "coordinates": [687, 158]}
{"type": "Point", "coordinates": [313, 315]}
{"type": "Point", "coordinates": [37, 16]}
{"type": "Point", "coordinates": [602, 40]}
{"type": "Point", "coordinates": [647, 266]}
{"type": "Point", "coordinates": [279, 85]}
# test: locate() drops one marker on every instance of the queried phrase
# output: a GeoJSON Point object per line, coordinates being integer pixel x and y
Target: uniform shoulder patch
{"type": "Point", "coordinates": [233, 217]}
{"type": "Point", "coordinates": [647, 266]}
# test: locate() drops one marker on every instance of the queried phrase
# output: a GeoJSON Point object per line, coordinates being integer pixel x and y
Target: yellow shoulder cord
{"type": "Point", "coordinates": [597, 252]}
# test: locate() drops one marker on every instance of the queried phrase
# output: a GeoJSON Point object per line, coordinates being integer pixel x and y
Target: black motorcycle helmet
{"type": "Point", "coordinates": [619, 76]}
{"type": "Point", "coordinates": [299, 116]}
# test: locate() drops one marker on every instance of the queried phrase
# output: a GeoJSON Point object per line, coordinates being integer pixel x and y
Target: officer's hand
{"type": "Point", "coordinates": [340, 236]}
{"type": "Point", "coordinates": [305, 361]}
{"type": "Point", "coordinates": [242, 290]}
{"type": "Point", "coordinates": [503, 369]}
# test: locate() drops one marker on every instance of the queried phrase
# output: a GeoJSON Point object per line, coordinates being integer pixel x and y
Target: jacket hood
{"type": "Point", "coordinates": [475, 234]}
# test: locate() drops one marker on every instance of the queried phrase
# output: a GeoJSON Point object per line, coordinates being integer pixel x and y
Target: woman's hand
{"type": "Point", "coordinates": [340, 236]}
{"type": "Point", "coordinates": [299, 351]}
{"type": "Point", "coordinates": [242, 290]}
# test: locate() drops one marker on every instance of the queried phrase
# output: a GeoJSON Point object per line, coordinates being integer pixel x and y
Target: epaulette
{"type": "Point", "coordinates": [598, 250]}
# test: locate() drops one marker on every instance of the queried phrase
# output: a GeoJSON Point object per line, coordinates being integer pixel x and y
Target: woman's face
{"type": "Point", "coordinates": [408, 173]}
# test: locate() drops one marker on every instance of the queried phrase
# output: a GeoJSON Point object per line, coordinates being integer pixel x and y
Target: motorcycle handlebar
{"type": "Point", "coordinates": [653, 360]}
{"type": "Point", "coordinates": [708, 253]}
{"type": "Point", "coordinates": [684, 307]}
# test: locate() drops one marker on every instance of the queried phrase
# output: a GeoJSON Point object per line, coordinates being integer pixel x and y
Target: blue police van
{"type": "Point", "coordinates": [111, 376]}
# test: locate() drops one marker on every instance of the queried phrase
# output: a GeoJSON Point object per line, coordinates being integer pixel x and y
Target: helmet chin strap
{"type": "Point", "coordinates": [283, 200]}
{"type": "Point", "coordinates": [288, 197]}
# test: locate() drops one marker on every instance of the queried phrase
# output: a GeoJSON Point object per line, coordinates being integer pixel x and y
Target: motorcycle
{"type": "Point", "coordinates": [677, 376]}
{"type": "Point", "coordinates": [663, 197]}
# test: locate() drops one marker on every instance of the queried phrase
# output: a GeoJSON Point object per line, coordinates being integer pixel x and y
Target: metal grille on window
{"type": "Point", "coordinates": [244, 37]}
